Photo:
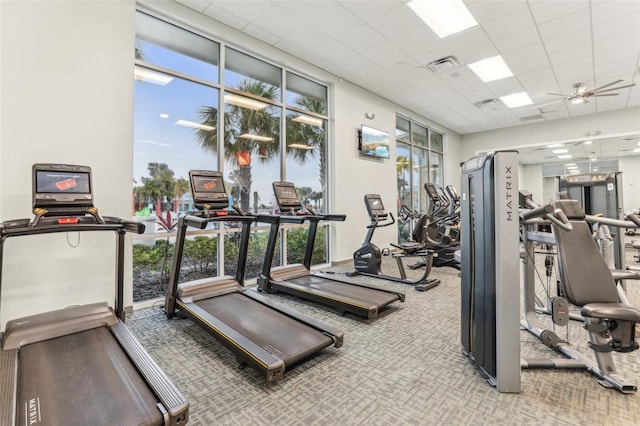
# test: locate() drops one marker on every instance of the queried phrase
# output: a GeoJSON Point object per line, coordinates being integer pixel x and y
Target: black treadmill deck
{"type": "Point", "coordinates": [344, 296]}
{"type": "Point", "coordinates": [284, 337]}
{"type": "Point", "coordinates": [83, 378]}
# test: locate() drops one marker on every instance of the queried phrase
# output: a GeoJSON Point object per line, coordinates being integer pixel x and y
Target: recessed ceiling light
{"type": "Point", "coordinates": [256, 137]}
{"type": "Point", "coordinates": [564, 157]}
{"type": "Point", "coordinates": [636, 150]}
{"type": "Point", "coordinates": [243, 102]}
{"type": "Point", "coordinates": [555, 145]}
{"type": "Point", "coordinates": [491, 69]}
{"type": "Point", "coordinates": [593, 159]}
{"type": "Point", "coordinates": [588, 142]}
{"type": "Point", "coordinates": [306, 119]}
{"type": "Point", "coordinates": [300, 146]}
{"type": "Point", "coordinates": [516, 100]}
{"type": "Point", "coordinates": [443, 17]}
{"type": "Point", "coordinates": [570, 164]}
{"type": "Point", "coordinates": [560, 151]}
{"type": "Point", "coordinates": [193, 125]}
{"type": "Point", "coordinates": [150, 76]}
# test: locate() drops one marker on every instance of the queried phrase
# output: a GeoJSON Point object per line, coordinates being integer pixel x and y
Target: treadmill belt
{"type": "Point", "coordinates": [335, 289]}
{"type": "Point", "coordinates": [82, 379]}
{"type": "Point", "coordinates": [282, 336]}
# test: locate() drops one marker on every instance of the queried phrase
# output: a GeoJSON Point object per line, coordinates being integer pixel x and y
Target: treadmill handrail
{"type": "Point", "coordinates": [49, 225]}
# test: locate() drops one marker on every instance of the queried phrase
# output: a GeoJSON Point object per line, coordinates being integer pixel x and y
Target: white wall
{"type": "Point", "coordinates": [609, 123]}
{"type": "Point", "coordinates": [630, 168]}
{"type": "Point", "coordinates": [67, 97]}
{"type": "Point", "coordinates": [530, 178]}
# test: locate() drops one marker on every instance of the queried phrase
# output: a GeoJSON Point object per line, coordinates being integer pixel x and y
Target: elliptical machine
{"type": "Point", "coordinates": [367, 259]}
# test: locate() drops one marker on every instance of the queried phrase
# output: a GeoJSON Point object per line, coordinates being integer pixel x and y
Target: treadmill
{"type": "Point", "coordinates": [263, 334]}
{"type": "Point", "coordinates": [297, 279]}
{"type": "Point", "coordinates": [79, 365]}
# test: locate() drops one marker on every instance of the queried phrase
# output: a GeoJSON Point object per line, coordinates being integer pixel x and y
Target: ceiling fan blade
{"type": "Point", "coordinates": [597, 95]}
{"type": "Point", "coordinates": [556, 108]}
{"type": "Point", "coordinates": [550, 103]}
{"type": "Point", "coordinates": [559, 94]}
{"type": "Point", "coordinates": [607, 85]}
{"type": "Point", "coordinates": [613, 88]}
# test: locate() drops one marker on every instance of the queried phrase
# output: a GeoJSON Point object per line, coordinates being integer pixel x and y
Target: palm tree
{"type": "Point", "coordinates": [180, 187]}
{"type": "Point", "coordinates": [310, 135]}
{"type": "Point", "coordinates": [402, 165]}
{"type": "Point", "coordinates": [241, 124]}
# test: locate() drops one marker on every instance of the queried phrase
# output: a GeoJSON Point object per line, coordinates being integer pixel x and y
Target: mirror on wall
{"type": "Point", "coordinates": [582, 156]}
{"type": "Point", "coordinates": [540, 165]}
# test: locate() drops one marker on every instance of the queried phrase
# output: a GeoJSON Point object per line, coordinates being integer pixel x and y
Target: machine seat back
{"type": "Point", "coordinates": [588, 283]}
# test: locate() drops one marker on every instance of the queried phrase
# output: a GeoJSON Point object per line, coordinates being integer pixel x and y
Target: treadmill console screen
{"type": "Point", "coordinates": [286, 196]}
{"type": "Point", "coordinates": [208, 188]}
{"type": "Point", "coordinates": [62, 188]}
{"type": "Point", "coordinates": [375, 208]}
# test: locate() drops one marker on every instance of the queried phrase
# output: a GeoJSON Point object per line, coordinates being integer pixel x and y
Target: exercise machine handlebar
{"type": "Point", "coordinates": [376, 222]}
{"type": "Point", "coordinates": [556, 216]}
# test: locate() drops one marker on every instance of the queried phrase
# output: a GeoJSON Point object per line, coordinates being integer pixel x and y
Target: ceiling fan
{"type": "Point", "coordinates": [580, 94]}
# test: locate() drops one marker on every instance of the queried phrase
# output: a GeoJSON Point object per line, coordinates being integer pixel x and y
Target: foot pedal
{"type": "Point", "coordinates": [550, 339]}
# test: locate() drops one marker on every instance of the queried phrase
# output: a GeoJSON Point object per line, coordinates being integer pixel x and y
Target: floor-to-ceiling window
{"type": "Point", "coordinates": [419, 159]}
{"type": "Point", "coordinates": [200, 104]}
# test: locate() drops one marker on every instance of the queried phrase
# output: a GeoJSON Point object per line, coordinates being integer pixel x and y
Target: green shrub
{"type": "Point", "coordinates": [200, 253]}
{"type": "Point", "coordinates": [297, 244]}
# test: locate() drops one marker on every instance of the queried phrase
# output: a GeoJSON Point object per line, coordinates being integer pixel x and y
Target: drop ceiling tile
{"type": "Point", "coordinates": [605, 10]}
{"type": "Point", "coordinates": [262, 34]}
{"type": "Point", "coordinates": [367, 10]}
{"type": "Point", "coordinates": [625, 23]}
{"type": "Point", "coordinates": [254, 10]}
{"type": "Point", "coordinates": [609, 103]}
{"type": "Point", "coordinates": [628, 39]}
{"type": "Point", "coordinates": [576, 57]}
{"type": "Point", "coordinates": [508, 24]}
{"type": "Point", "coordinates": [197, 5]}
{"type": "Point", "coordinates": [613, 34]}
{"type": "Point", "coordinates": [335, 22]}
{"type": "Point", "coordinates": [362, 38]}
{"type": "Point", "coordinates": [305, 9]}
{"type": "Point", "coordinates": [505, 86]}
{"type": "Point", "coordinates": [569, 40]}
{"type": "Point", "coordinates": [566, 24]}
{"type": "Point", "coordinates": [489, 10]}
{"type": "Point", "coordinates": [467, 40]}
{"type": "Point", "coordinates": [395, 22]}
{"type": "Point", "coordinates": [524, 54]}
{"type": "Point", "coordinates": [226, 17]}
{"type": "Point", "coordinates": [546, 11]}
{"type": "Point", "coordinates": [533, 64]}
{"type": "Point", "coordinates": [517, 40]}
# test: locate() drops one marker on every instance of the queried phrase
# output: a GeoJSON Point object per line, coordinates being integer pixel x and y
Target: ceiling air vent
{"type": "Point", "coordinates": [532, 117]}
{"type": "Point", "coordinates": [487, 103]}
{"type": "Point", "coordinates": [443, 64]}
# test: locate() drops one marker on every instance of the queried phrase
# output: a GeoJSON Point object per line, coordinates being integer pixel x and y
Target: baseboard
{"type": "Point", "coordinates": [345, 262]}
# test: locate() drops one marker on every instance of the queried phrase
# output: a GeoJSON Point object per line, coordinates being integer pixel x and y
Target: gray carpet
{"type": "Point", "coordinates": [405, 367]}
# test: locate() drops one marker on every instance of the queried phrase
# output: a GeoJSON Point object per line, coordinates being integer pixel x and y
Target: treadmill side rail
{"type": "Point", "coordinates": [335, 333]}
{"type": "Point", "coordinates": [9, 380]}
{"type": "Point", "coordinates": [246, 351]}
{"type": "Point", "coordinates": [175, 404]}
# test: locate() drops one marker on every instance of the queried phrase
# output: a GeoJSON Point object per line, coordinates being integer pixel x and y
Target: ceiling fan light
{"type": "Point", "coordinates": [578, 100]}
